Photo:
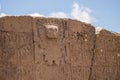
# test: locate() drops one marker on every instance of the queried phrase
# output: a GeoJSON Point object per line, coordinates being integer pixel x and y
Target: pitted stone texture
{"type": "Point", "coordinates": [81, 44]}
{"type": "Point", "coordinates": [105, 66]}
{"type": "Point", "coordinates": [56, 49]}
{"type": "Point", "coordinates": [50, 49]}
{"type": "Point", "coordinates": [16, 24]}
{"type": "Point", "coordinates": [50, 39]}
{"type": "Point", "coordinates": [16, 49]}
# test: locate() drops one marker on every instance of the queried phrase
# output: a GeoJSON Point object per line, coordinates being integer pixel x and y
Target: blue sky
{"type": "Point", "coordinates": [102, 13]}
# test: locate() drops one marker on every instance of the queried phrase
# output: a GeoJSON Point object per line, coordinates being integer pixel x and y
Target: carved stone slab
{"type": "Point", "coordinates": [56, 49]}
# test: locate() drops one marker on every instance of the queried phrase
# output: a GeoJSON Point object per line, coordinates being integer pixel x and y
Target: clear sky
{"type": "Point", "coordinates": [102, 13]}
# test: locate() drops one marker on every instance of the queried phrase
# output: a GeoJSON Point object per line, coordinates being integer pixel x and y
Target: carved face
{"type": "Point", "coordinates": [51, 31]}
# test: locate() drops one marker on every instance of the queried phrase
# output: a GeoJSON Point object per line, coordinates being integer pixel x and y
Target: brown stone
{"type": "Point", "coordinates": [106, 57]}
{"type": "Point", "coordinates": [56, 49]}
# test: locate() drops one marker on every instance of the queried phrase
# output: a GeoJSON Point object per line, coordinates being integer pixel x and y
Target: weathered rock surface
{"type": "Point", "coordinates": [106, 63]}
{"type": "Point", "coordinates": [56, 49]}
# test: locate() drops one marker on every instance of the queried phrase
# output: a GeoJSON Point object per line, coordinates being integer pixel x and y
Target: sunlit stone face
{"type": "Point", "coordinates": [51, 31]}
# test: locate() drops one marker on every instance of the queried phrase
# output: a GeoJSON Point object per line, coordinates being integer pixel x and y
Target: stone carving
{"type": "Point", "coordinates": [51, 31]}
{"type": "Point", "coordinates": [56, 49]}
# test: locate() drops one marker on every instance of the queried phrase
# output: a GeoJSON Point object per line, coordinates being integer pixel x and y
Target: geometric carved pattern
{"type": "Point", "coordinates": [56, 49]}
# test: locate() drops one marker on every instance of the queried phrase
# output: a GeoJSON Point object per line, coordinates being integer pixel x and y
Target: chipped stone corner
{"type": "Point", "coordinates": [98, 30]}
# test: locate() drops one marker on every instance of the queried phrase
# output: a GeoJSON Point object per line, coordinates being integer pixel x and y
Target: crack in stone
{"type": "Point", "coordinates": [92, 60]}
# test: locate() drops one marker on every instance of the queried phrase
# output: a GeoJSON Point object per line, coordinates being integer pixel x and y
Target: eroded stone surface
{"type": "Point", "coordinates": [51, 31]}
{"type": "Point", "coordinates": [16, 56]}
{"type": "Point", "coordinates": [56, 49]}
{"type": "Point", "coordinates": [106, 62]}
{"type": "Point", "coordinates": [81, 44]}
